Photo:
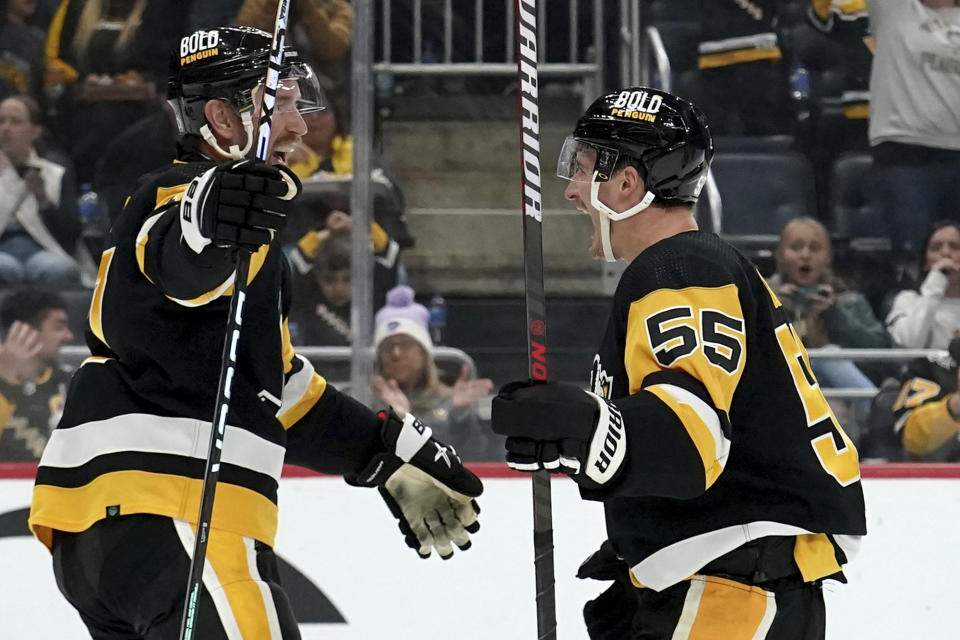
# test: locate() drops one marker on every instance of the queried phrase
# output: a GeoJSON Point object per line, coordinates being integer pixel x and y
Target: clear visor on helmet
{"type": "Point", "coordinates": [297, 90]}
{"type": "Point", "coordinates": [580, 160]}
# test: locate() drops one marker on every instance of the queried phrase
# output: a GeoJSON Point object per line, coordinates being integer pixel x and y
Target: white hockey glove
{"type": "Point", "coordinates": [239, 204]}
{"type": "Point", "coordinates": [560, 427]}
{"type": "Point", "coordinates": [425, 485]}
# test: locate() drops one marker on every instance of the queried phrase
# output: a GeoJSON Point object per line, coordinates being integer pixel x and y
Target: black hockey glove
{"type": "Point", "coordinates": [425, 485]}
{"type": "Point", "coordinates": [560, 427]}
{"type": "Point", "coordinates": [239, 204]}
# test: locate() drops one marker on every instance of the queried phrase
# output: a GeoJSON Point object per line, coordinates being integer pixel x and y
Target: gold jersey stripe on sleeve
{"type": "Point", "coordinates": [288, 353]}
{"type": "Point", "coordinates": [697, 330]}
{"type": "Point", "coordinates": [96, 301]}
{"type": "Point", "coordinates": [815, 556]}
{"type": "Point", "coordinates": [142, 239]}
{"type": "Point", "coordinates": [702, 425]}
{"type": "Point", "coordinates": [226, 287]}
{"type": "Point", "coordinates": [300, 402]}
{"type": "Point", "coordinates": [168, 194]}
{"type": "Point", "coordinates": [77, 508]}
{"type": "Point", "coordinates": [728, 58]}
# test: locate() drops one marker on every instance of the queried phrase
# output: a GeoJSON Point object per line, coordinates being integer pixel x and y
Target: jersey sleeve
{"type": "Point", "coordinates": [327, 431]}
{"type": "Point", "coordinates": [839, 16]}
{"type": "Point", "coordinates": [184, 276]}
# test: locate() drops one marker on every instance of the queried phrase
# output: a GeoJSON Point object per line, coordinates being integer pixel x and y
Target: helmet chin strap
{"type": "Point", "coordinates": [609, 214]}
{"type": "Point", "coordinates": [235, 152]}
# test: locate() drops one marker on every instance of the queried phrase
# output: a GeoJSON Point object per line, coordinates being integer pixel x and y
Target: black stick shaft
{"type": "Point", "coordinates": [228, 359]}
{"type": "Point", "coordinates": [535, 300]}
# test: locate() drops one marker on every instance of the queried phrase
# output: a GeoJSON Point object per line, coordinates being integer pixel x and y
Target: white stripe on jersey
{"type": "Point", "coordinates": [706, 413]}
{"type": "Point", "coordinates": [147, 433]}
{"type": "Point", "coordinates": [297, 386]}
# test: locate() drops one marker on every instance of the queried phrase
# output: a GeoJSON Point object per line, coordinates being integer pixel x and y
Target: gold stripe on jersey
{"type": "Point", "coordinates": [288, 352]}
{"type": "Point", "coordinates": [297, 403]}
{"type": "Point", "coordinates": [722, 608]}
{"type": "Point", "coordinates": [704, 330]}
{"type": "Point", "coordinates": [95, 360]}
{"type": "Point", "coordinates": [815, 556]}
{"type": "Point", "coordinates": [857, 112]}
{"type": "Point", "coordinates": [167, 194]}
{"type": "Point", "coordinates": [915, 392]}
{"type": "Point", "coordinates": [702, 425]}
{"type": "Point", "coordinates": [728, 58]}
{"type": "Point", "coordinates": [929, 427]}
{"type": "Point", "coordinates": [75, 509]}
{"type": "Point", "coordinates": [57, 71]}
{"type": "Point", "coordinates": [226, 287]}
{"type": "Point", "coordinates": [96, 301]}
{"type": "Point", "coordinates": [7, 409]}
{"type": "Point", "coordinates": [773, 297]}
{"type": "Point", "coordinates": [141, 249]}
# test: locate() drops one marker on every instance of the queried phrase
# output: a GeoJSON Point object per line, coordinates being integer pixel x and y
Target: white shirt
{"type": "Point", "coordinates": [915, 81]}
{"type": "Point", "coordinates": [925, 319]}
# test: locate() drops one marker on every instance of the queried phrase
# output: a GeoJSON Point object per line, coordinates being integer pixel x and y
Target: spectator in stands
{"type": "Point", "coordinates": [322, 285]}
{"type": "Point", "coordinates": [918, 416]}
{"type": "Point", "coordinates": [929, 317]}
{"type": "Point", "coordinates": [742, 79]}
{"type": "Point", "coordinates": [408, 380]}
{"type": "Point", "coordinates": [325, 154]}
{"type": "Point", "coordinates": [21, 50]}
{"type": "Point", "coordinates": [106, 63]}
{"type": "Point", "coordinates": [33, 383]}
{"type": "Point", "coordinates": [914, 115]}
{"type": "Point", "coordinates": [327, 26]}
{"type": "Point", "coordinates": [38, 215]}
{"type": "Point", "coordinates": [825, 313]}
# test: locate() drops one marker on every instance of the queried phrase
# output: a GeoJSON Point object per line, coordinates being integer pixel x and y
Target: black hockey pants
{"type": "Point", "coordinates": [752, 593]}
{"type": "Point", "coordinates": [127, 577]}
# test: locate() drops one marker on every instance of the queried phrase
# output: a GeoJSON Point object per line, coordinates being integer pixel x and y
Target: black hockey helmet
{"type": "Point", "coordinates": [666, 135]}
{"type": "Point", "coordinates": [228, 63]}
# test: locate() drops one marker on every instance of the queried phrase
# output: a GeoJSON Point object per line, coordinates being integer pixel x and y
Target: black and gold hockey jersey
{"type": "Point", "coordinates": [847, 22]}
{"type": "Point", "coordinates": [728, 436]}
{"type": "Point", "coordinates": [922, 422]}
{"type": "Point", "coordinates": [29, 412]}
{"type": "Point", "coordinates": [737, 31]}
{"type": "Point", "coordinates": [135, 428]}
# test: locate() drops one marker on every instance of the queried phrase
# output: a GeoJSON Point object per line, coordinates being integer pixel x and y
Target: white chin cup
{"type": "Point", "coordinates": [235, 152]}
{"type": "Point", "coordinates": [611, 215]}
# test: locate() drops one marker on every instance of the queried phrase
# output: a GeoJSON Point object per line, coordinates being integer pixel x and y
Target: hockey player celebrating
{"type": "Point", "coordinates": [729, 488]}
{"type": "Point", "coordinates": [120, 481]}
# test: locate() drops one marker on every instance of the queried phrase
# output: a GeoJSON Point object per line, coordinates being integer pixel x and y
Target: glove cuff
{"type": "Point", "coordinates": [403, 437]}
{"type": "Point", "coordinates": [191, 211]}
{"type": "Point", "coordinates": [608, 446]}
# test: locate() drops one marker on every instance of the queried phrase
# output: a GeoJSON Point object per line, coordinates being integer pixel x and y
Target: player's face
{"type": "Point", "coordinates": [402, 359]}
{"type": "Point", "coordinates": [54, 333]}
{"type": "Point", "coordinates": [804, 254]}
{"type": "Point", "coordinates": [17, 133]}
{"type": "Point", "coordinates": [579, 194]}
{"type": "Point", "coordinates": [288, 126]}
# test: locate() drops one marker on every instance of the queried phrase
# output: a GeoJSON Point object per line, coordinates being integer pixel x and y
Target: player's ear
{"type": "Point", "coordinates": [629, 181]}
{"type": "Point", "coordinates": [221, 119]}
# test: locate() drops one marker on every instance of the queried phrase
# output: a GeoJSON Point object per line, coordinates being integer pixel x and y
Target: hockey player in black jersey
{"type": "Point", "coordinates": [120, 481]}
{"type": "Point", "coordinates": [729, 488]}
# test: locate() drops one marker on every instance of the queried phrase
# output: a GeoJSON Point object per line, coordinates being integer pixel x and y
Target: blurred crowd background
{"type": "Point", "coordinates": [837, 129]}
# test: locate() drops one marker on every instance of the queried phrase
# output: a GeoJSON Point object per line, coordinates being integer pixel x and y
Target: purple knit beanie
{"type": "Point", "coordinates": [401, 315]}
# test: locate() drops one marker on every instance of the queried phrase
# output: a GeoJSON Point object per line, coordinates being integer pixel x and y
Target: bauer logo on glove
{"type": "Point", "coordinates": [425, 485]}
{"type": "Point", "coordinates": [560, 427]}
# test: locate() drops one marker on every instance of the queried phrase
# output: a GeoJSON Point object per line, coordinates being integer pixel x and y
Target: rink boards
{"type": "Point", "coordinates": [347, 561]}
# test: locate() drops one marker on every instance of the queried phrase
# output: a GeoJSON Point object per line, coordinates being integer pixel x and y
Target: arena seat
{"type": "Point", "coordinates": [760, 192]}
{"type": "Point", "coordinates": [855, 209]}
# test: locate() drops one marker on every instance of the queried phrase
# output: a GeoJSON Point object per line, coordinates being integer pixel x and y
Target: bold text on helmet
{"type": "Point", "coordinates": [639, 101]}
{"type": "Point", "coordinates": [198, 41]}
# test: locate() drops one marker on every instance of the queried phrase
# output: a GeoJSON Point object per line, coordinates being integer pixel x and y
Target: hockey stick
{"type": "Point", "coordinates": [535, 302]}
{"type": "Point", "coordinates": [228, 359]}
